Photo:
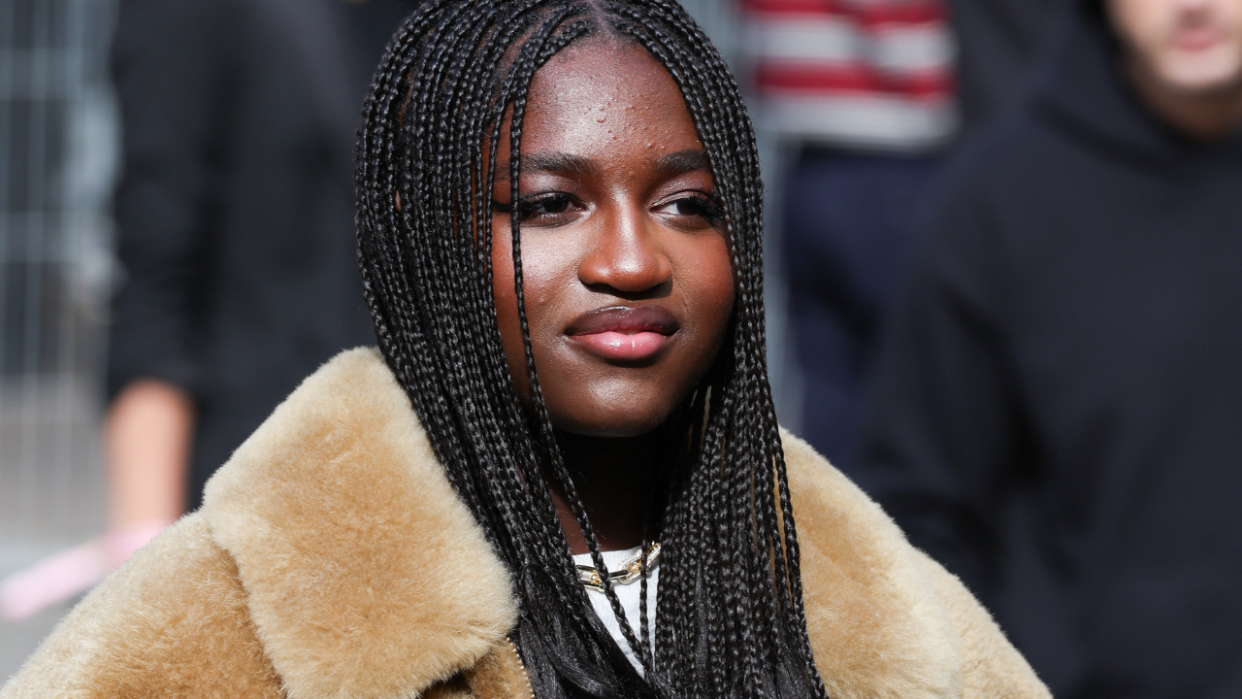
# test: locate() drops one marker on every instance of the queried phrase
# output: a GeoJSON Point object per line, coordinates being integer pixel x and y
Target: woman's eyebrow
{"type": "Point", "coordinates": [681, 161]}
{"type": "Point", "coordinates": [556, 163]}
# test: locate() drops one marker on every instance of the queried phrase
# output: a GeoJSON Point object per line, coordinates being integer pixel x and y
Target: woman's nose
{"type": "Point", "coordinates": [625, 254]}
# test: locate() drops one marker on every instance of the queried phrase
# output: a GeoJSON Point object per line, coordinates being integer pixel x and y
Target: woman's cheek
{"type": "Point", "coordinates": [714, 290]}
{"type": "Point", "coordinates": [505, 299]}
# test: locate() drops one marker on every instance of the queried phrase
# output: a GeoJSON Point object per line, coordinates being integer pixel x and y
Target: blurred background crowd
{"type": "Point", "coordinates": [1004, 294]}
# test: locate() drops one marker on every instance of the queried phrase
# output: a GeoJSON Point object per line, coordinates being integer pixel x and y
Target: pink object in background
{"type": "Point", "coordinates": [71, 572]}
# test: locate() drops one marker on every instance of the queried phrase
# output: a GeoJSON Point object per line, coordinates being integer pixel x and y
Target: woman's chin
{"type": "Point", "coordinates": [612, 423]}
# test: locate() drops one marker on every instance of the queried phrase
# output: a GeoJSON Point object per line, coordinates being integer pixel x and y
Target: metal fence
{"type": "Point", "coordinates": [56, 153]}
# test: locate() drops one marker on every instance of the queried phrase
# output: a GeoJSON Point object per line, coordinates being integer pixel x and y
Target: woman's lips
{"type": "Point", "coordinates": [619, 346]}
{"type": "Point", "coordinates": [624, 333]}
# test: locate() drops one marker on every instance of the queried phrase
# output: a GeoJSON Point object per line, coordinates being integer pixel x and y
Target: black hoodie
{"type": "Point", "coordinates": [1058, 412]}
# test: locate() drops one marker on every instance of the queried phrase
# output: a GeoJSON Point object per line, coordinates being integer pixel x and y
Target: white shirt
{"type": "Point", "coordinates": [629, 596]}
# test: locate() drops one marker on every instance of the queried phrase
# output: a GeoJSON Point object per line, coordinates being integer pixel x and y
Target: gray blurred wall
{"type": "Point", "coordinates": [56, 153]}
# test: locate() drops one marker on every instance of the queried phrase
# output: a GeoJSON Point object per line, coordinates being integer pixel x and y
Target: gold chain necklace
{"type": "Point", "coordinates": [631, 569]}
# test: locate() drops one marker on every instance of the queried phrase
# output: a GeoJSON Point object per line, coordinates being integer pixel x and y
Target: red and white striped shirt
{"type": "Point", "coordinates": [857, 73]}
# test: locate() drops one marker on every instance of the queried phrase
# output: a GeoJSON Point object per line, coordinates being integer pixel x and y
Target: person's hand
{"type": "Point", "coordinates": [147, 435]}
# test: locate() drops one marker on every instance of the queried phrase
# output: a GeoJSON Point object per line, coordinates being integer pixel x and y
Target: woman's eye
{"type": "Point", "coordinates": [539, 207]}
{"type": "Point", "coordinates": [695, 206]}
{"type": "Point", "coordinates": [544, 206]}
{"type": "Point", "coordinates": [549, 205]}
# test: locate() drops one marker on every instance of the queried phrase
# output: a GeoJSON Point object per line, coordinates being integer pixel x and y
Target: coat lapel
{"type": "Point", "coordinates": [366, 577]}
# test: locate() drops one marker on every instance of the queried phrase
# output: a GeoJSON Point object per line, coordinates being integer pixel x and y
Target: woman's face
{"type": "Point", "coordinates": [627, 278]}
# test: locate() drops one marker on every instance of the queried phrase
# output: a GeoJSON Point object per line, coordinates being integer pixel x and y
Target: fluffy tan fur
{"type": "Point", "coordinates": [989, 664]}
{"type": "Point", "coordinates": [353, 547]}
{"type": "Point", "coordinates": [877, 628]}
{"type": "Point", "coordinates": [500, 674]}
{"type": "Point", "coordinates": [884, 619]}
{"type": "Point", "coordinates": [332, 559]}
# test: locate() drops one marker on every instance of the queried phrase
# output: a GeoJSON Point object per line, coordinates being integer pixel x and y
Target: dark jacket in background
{"type": "Point", "coordinates": [235, 209]}
{"type": "Point", "coordinates": [996, 43]}
{"type": "Point", "coordinates": [1058, 412]}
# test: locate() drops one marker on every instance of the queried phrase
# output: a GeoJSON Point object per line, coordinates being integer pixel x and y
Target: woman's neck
{"type": "Point", "coordinates": [613, 477]}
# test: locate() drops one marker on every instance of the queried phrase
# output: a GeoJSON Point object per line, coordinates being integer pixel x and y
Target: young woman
{"type": "Point", "coordinates": [560, 236]}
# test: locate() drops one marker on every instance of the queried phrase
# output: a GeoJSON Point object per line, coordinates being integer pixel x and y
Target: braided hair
{"type": "Point", "coordinates": [729, 612]}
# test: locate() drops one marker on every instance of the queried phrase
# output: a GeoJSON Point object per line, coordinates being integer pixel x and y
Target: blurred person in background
{"type": "Point", "coordinates": [1058, 409]}
{"type": "Point", "coordinates": [235, 233]}
{"type": "Point", "coordinates": [996, 44]}
{"type": "Point", "coordinates": [864, 92]}
{"type": "Point", "coordinates": [235, 220]}
{"type": "Point", "coordinates": [872, 95]}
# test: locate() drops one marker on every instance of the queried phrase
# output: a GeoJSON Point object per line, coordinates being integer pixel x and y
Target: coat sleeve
{"type": "Point", "coordinates": [172, 622]}
{"type": "Point", "coordinates": [170, 67]}
{"type": "Point", "coordinates": [943, 441]}
{"type": "Point", "coordinates": [991, 666]}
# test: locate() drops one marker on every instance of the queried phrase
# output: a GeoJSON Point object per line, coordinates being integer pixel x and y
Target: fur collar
{"type": "Point", "coordinates": [366, 577]}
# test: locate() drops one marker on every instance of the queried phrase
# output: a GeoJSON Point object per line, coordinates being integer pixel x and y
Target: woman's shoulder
{"type": "Point", "coordinates": [874, 601]}
{"type": "Point", "coordinates": [341, 519]}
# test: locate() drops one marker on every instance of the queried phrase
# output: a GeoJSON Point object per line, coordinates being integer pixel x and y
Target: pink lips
{"type": "Point", "coordinates": [615, 345]}
{"type": "Point", "coordinates": [624, 333]}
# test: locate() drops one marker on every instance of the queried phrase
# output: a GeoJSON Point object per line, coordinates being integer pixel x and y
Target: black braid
{"type": "Point", "coordinates": [729, 615]}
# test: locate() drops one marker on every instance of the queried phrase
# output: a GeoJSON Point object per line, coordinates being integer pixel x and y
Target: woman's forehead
{"type": "Point", "coordinates": [601, 93]}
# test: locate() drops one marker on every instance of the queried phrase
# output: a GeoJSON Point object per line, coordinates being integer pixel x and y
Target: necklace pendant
{"type": "Point", "coordinates": [631, 570]}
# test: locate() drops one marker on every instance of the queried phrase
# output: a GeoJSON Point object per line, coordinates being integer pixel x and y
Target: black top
{"type": "Point", "coordinates": [1058, 413]}
{"type": "Point", "coordinates": [997, 42]}
{"type": "Point", "coordinates": [235, 210]}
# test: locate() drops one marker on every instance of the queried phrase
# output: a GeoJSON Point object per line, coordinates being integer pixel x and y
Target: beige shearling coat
{"type": "Point", "coordinates": [331, 558]}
